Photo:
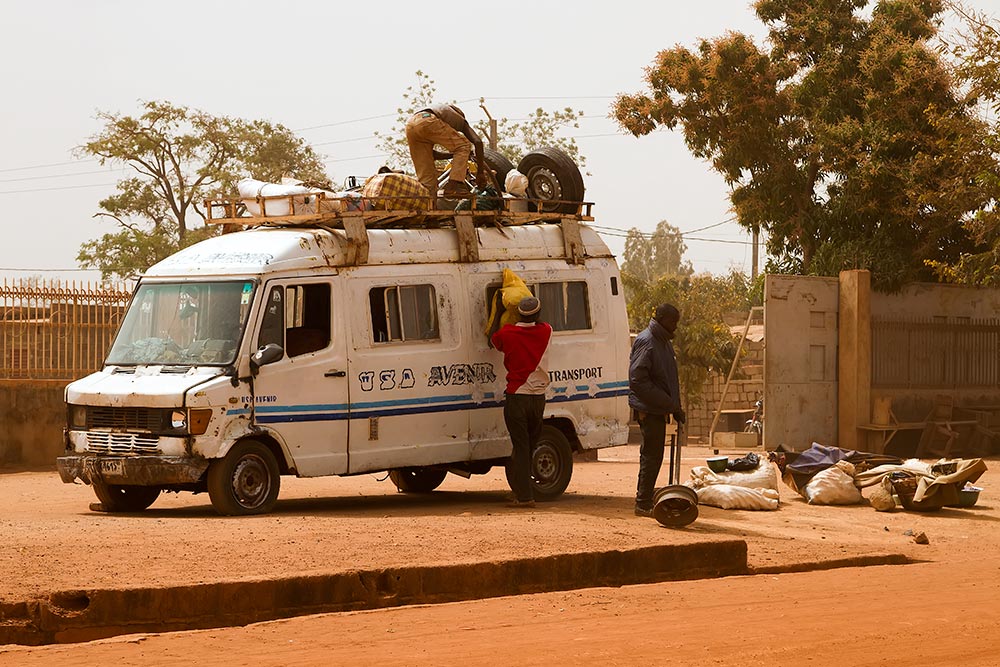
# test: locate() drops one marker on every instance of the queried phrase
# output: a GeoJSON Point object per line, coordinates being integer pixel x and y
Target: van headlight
{"type": "Point", "coordinates": [77, 416]}
{"type": "Point", "coordinates": [178, 420]}
{"type": "Point", "coordinates": [193, 421]}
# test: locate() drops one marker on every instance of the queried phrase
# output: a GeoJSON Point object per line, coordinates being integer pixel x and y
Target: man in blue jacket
{"type": "Point", "coordinates": [654, 393]}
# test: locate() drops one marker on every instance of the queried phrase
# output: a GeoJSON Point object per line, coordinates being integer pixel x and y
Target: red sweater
{"type": "Point", "coordinates": [524, 345]}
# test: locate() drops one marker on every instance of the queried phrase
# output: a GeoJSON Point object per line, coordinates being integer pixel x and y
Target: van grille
{"type": "Point", "coordinates": [103, 442]}
{"type": "Point", "coordinates": [146, 419]}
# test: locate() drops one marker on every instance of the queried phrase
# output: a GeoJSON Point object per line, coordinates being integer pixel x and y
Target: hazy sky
{"type": "Point", "coordinates": [339, 69]}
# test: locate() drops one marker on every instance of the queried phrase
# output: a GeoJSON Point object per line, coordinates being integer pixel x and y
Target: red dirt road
{"type": "Point", "coordinates": [943, 611]}
{"type": "Point", "coordinates": [838, 618]}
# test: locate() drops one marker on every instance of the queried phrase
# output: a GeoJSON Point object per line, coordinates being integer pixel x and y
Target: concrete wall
{"type": "Point", "coordinates": [931, 299]}
{"type": "Point", "coordinates": [32, 416]}
{"type": "Point", "coordinates": [817, 380]}
{"type": "Point", "coordinates": [800, 361]}
{"type": "Point", "coordinates": [928, 300]}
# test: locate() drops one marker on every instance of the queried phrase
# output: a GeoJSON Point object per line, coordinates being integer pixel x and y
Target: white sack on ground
{"type": "Point", "coordinates": [730, 497]}
{"type": "Point", "coordinates": [764, 477]}
{"type": "Point", "coordinates": [833, 486]}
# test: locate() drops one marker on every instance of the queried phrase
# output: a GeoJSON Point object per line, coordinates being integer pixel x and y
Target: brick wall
{"type": "Point", "coordinates": [747, 385]}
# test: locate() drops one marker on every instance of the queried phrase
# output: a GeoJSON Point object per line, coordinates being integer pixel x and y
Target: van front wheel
{"type": "Point", "coordinates": [417, 480]}
{"type": "Point", "coordinates": [551, 464]}
{"type": "Point", "coordinates": [246, 481]}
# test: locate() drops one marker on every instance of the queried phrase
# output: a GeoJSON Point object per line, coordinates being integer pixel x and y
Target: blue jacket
{"type": "Point", "coordinates": [653, 387]}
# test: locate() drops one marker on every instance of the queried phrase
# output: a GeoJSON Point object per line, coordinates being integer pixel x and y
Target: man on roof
{"type": "Point", "coordinates": [444, 125]}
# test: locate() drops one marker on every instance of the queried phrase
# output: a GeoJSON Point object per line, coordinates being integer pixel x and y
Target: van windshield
{"type": "Point", "coordinates": [183, 323]}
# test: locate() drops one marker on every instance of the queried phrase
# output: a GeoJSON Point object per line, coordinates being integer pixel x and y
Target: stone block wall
{"type": "Point", "coordinates": [747, 385]}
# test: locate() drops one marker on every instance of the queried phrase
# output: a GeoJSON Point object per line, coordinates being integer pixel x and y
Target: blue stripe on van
{"type": "Point", "coordinates": [274, 414]}
{"type": "Point", "coordinates": [613, 385]}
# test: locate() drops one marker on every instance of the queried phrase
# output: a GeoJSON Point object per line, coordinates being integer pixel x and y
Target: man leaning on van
{"type": "Point", "coordinates": [524, 345]}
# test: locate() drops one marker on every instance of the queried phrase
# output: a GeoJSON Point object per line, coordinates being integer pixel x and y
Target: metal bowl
{"type": "Point", "coordinates": [718, 463]}
{"type": "Point", "coordinates": [968, 496]}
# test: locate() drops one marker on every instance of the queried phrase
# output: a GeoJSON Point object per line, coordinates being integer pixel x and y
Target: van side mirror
{"type": "Point", "coordinates": [268, 354]}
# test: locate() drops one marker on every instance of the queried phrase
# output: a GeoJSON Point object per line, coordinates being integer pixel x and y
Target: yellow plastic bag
{"type": "Point", "coordinates": [509, 295]}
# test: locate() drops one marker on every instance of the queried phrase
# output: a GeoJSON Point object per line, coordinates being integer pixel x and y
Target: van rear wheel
{"type": "Point", "coordinates": [551, 464]}
{"type": "Point", "coordinates": [246, 481]}
{"type": "Point", "coordinates": [125, 497]}
{"type": "Point", "coordinates": [417, 480]}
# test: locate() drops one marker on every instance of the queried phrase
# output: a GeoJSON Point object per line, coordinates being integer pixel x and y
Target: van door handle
{"type": "Point", "coordinates": [335, 374]}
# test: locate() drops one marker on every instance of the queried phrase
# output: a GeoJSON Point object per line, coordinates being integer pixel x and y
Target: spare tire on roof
{"type": "Point", "coordinates": [553, 176]}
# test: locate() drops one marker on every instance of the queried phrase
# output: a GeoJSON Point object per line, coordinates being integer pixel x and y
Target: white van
{"type": "Point", "coordinates": [315, 351]}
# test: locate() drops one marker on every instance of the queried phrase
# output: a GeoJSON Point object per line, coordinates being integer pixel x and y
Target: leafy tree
{"type": "Point", "coordinates": [181, 156]}
{"type": "Point", "coordinates": [977, 54]}
{"type": "Point", "coordinates": [662, 253]}
{"type": "Point", "coordinates": [654, 271]}
{"type": "Point", "coordinates": [839, 141]}
{"type": "Point", "coordinates": [515, 138]}
{"type": "Point", "coordinates": [976, 51]}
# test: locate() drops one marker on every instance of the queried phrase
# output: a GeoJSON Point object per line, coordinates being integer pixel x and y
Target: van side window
{"type": "Point", "coordinates": [565, 305]}
{"type": "Point", "coordinates": [272, 326]}
{"type": "Point", "coordinates": [307, 318]}
{"type": "Point", "coordinates": [404, 312]}
{"type": "Point", "coordinates": [298, 318]}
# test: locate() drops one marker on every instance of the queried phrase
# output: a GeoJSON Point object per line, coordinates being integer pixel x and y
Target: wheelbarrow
{"type": "Point", "coordinates": [675, 505]}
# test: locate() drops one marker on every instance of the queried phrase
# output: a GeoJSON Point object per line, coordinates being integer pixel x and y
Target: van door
{"type": "Point", "coordinates": [303, 397]}
{"type": "Point", "coordinates": [487, 430]}
{"type": "Point", "coordinates": [410, 376]}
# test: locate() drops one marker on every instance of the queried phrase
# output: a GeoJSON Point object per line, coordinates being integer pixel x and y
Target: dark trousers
{"type": "Point", "coordinates": [523, 415]}
{"type": "Point", "coordinates": [654, 432]}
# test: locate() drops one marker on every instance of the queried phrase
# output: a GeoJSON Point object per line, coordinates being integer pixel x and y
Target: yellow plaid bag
{"type": "Point", "coordinates": [396, 192]}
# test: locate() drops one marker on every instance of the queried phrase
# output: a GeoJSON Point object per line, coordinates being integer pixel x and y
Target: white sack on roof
{"type": "Point", "coordinates": [290, 193]}
{"type": "Point", "coordinates": [516, 183]}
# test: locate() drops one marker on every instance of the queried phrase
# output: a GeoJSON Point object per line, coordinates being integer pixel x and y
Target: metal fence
{"type": "Point", "coordinates": [936, 353]}
{"type": "Point", "coordinates": [57, 330]}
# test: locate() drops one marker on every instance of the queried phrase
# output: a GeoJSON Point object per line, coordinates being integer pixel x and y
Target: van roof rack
{"type": "Point", "coordinates": [394, 212]}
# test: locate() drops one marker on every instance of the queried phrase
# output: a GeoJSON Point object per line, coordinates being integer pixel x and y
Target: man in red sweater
{"type": "Point", "coordinates": [524, 345]}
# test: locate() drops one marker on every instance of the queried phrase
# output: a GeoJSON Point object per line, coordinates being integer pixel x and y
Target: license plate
{"type": "Point", "coordinates": [114, 467]}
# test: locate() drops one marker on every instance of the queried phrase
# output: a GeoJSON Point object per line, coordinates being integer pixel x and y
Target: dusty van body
{"type": "Point", "coordinates": [279, 351]}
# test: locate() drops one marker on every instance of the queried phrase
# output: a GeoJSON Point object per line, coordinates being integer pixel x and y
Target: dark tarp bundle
{"type": "Point", "coordinates": [748, 462]}
{"type": "Point", "coordinates": [799, 471]}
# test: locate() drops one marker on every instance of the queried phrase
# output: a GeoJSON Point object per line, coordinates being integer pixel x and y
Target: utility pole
{"type": "Point", "coordinates": [493, 126]}
{"type": "Point", "coordinates": [756, 241]}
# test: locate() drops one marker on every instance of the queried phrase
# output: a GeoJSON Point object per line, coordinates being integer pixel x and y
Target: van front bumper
{"type": "Point", "coordinates": [131, 470]}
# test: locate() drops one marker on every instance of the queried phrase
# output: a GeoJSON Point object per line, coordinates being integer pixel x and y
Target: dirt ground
{"type": "Point", "coordinates": [944, 608]}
